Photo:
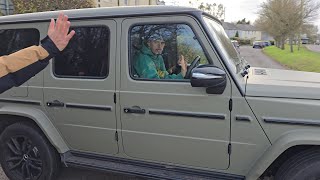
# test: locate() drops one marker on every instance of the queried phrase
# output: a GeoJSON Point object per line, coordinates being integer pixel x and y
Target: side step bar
{"type": "Point", "coordinates": [140, 168]}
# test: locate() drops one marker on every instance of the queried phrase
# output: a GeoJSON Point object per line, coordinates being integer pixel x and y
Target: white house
{"type": "Point", "coordinates": [245, 31]}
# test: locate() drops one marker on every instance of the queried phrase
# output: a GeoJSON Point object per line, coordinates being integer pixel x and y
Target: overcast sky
{"type": "Point", "coordinates": [235, 9]}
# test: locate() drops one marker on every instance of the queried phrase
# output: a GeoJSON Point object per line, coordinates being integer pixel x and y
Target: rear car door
{"type": "Point", "coordinates": [79, 88]}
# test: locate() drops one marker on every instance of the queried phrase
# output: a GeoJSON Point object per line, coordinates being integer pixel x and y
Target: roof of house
{"type": "Point", "coordinates": [242, 27]}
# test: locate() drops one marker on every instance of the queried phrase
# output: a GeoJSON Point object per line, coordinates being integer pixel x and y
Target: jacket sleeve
{"type": "Point", "coordinates": [17, 68]}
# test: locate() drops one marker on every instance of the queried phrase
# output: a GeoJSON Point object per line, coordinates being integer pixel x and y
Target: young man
{"type": "Point", "coordinates": [17, 68]}
{"type": "Point", "coordinates": [149, 62]}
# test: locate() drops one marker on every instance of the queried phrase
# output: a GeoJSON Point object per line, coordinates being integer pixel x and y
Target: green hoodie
{"type": "Point", "coordinates": [151, 66]}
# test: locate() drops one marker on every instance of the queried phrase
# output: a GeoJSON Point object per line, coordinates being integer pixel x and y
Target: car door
{"type": "Point", "coordinates": [167, 120]}
{"type": "Point", "coordinates": [79, 88]}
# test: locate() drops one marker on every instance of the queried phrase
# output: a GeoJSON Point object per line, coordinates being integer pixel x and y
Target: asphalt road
{"type": "Point", "coordinates": [82, 174]}
{"type": "Point", "coordinates": [315, 48]}
{"type": "Point", "coordinates": [256, 58]}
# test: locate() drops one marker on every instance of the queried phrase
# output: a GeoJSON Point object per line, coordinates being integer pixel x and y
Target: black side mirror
{"type": "Point", "coordinates": [209, 76]}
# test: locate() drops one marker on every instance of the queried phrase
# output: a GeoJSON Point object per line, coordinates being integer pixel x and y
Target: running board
{"type": "Point", "coordinates": [140, 168]}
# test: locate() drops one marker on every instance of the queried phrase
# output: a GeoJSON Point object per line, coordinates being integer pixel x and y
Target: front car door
{"type": "Point", "coordinates": [79, 88]}
{"type": "Point", "coordinates": [167, 120]}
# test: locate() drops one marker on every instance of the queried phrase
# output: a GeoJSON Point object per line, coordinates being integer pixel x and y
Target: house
{"type": "Point", "coordinates": [245, 31]}
{"type": "Point", "coordinates": [109, 3]}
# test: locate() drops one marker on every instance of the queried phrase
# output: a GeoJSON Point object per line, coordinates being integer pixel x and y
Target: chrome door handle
{"type": "Point", "coordinates": [134, 109]}
{"type": "Point", "coordinates": [55, 103]}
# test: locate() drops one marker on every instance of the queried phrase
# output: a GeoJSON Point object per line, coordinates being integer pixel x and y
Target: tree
{"type": "Point", "coordinates": [23, 6]}
{"type": "Point", "coordinates": [284, 18]}
{"type": "Point", "coordinates": [243, 21]}
{"type": "Point", "coordinates": [237, 34]}
{"type": "Point", "coordinates": [214, 9]}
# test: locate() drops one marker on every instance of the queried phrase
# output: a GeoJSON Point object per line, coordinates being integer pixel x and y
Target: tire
{"type": "Point", "coordinates": [302, 166]}
{"type": "Point", "coordinates": [27, 154]}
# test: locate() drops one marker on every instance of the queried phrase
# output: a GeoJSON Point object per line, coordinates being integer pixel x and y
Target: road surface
{"type": "Point", "coordinates": [256, 58]}
{"type": "Point", "coordinates": [315, 48]}
{"type": "Point", "coordinates": [81, 174]}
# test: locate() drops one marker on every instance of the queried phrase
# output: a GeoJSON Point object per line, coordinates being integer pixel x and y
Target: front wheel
{"type": "Point", "coordinates": [27, 154]}
{"type": "Point", "coordinates": [302, 166]}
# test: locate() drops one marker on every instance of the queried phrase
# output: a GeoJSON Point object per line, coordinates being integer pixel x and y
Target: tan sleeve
{"type": "Point", "coordinates": [21, 59]}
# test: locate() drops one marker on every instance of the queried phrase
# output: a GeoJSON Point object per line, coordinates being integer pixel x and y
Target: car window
{"type": "Point", "coordinates": [86, 56]}
{"type": "Point", "coordinates": [12, 40]}
{"type": "Point", "coordinates": [149, 60]}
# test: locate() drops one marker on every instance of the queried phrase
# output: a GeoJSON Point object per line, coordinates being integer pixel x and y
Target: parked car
{"type": "Point", "coordinates": [267, 43]}
{"type": "Point", "coordinates": [236, 45]}
{"type": "Point", "coordinates": [91, 108]}
{"type": "Point", "coordinates": [317, 42]}
{"type": "Point", "coordinates": [258, 44]}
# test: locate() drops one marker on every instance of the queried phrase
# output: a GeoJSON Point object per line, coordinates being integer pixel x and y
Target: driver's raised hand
{"type": "Point", "coordinates": [183, 65]}
{"type": "Point", "coordinates": [58, 32]}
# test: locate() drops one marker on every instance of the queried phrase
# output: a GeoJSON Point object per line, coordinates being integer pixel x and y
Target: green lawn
{"type": "Point", "coordinates": [303, 60]}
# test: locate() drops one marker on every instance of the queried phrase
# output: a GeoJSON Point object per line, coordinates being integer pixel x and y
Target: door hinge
{"type": "Point", "coordinates": [229, 149]}
{"type": "Point", "coordinates": [116, 137]}
{"type": "Point", "coordinates": [115, 98]}
{"type": "Point", "coordinates": [230, 105]}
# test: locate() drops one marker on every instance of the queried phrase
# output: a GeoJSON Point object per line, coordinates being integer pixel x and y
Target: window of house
{"type": "Point", "coordinates": [12, 40]}
{"type": "Point", "coordinates": [155, 51]}
{"type": "Point", "coordinates": [86, 56]}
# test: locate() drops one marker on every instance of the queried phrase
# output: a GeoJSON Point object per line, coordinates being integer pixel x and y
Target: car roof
{"type": "Point", "coordinates": [125, 11]}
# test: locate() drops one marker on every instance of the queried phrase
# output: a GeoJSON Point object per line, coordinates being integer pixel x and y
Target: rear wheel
{"type": "Point", "coordinates": [27, 154]}
{"type": "Point", "coordinates": [302, 166]}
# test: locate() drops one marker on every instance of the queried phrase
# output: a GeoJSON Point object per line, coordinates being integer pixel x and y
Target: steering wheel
{"type": "Point", "coordinates": [194, 63]}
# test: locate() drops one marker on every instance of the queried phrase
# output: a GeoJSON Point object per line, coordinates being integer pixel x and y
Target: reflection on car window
{"type": "Point", "coordinates": [86, 56]}
{"type": "Point", "coordinates": [155, 50]}
{"type": "Point", "coordinates": [12, 40]}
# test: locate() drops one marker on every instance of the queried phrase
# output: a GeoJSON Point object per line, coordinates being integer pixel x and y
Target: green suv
{"type": "Point", "coordinates": [119, 99]}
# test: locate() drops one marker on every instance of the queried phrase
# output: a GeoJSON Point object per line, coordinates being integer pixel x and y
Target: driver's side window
{"type": "Point", "coordinates": [164, 51]}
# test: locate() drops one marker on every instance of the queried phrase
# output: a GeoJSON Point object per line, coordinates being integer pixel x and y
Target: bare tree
{"type": "Point", "coordinates": [214, 9]}
{"type": "Point", "coordinates": [284, 18]}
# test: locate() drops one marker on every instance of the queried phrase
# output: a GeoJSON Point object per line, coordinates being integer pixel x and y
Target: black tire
{"type": "Point", "coordinates": [27, 154]}
{"type": "Point", "coordinates": [302, 166]}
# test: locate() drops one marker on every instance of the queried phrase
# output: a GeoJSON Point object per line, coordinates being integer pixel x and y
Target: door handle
{"type": "Point", "coordinates": [134, 109]}
{"type": "Point", "coordinates": [55, 103]}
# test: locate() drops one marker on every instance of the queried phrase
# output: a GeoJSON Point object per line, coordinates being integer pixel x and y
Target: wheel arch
{"type": "Point", "coordinates": [287, 144]}
{"type": "Point", "coordinates": [12, 114]}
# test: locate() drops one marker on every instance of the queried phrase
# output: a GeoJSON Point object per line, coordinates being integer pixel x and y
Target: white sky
{"type": "Point", "coordinates": [235, 9]}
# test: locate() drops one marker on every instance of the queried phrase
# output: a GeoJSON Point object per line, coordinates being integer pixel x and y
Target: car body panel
{"type": "Point", "coordinates": [283, 83]}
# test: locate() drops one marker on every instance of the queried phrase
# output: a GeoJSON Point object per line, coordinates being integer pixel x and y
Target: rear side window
{"type": "Point", "coordinates": [86, 56]}
{"type": "Point", "coordinates": [12, 40]}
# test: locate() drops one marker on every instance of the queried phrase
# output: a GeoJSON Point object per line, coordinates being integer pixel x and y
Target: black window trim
{"type": "Point", "coordinates": [87, 77]}
{"type": "Point", "coordinates": [159, 23]}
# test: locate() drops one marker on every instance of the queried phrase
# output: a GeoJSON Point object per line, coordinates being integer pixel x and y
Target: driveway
{"type": "Point", "coordinates": [256, 58]}
{"type": "Point", "coordinates": [315, 48]}
{"type": "Point", "coordinates": [81, 174]}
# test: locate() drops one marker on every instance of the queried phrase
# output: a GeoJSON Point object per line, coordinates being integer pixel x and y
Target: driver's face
{"type": "Point", "coordinates": [156, 46]}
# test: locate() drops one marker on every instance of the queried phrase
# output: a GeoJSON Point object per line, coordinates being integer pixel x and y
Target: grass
{"type": "Point", "coordinates": [303, 60]}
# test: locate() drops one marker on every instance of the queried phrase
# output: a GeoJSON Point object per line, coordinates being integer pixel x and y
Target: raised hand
{"type": "Point", "coordinates": [183, 65]}
{"type": "Point", "coordinates": [58, 32]}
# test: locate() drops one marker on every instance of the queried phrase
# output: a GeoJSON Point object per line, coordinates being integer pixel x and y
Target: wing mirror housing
{"type": "Point", "coordinates": [209, 76]}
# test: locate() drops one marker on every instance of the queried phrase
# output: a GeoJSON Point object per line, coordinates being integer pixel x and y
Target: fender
{"type": "Point", "coordinates": [42, 121]}
{"type": "Point", "coordinates": [284, 142]}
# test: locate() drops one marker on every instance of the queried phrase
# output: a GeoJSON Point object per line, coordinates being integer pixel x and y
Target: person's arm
{"type": "Point", "coordinates": [17, 68]}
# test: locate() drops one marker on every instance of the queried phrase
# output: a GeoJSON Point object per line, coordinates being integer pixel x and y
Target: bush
{"type": "Point", "coordinates": [244, 41]}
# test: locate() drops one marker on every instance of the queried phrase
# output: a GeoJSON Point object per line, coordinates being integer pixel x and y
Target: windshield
{"type": "Point", "coordinates": [224, 43]}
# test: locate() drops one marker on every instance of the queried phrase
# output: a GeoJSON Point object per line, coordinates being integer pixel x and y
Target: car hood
{"type": "Point", "coordinates": [283, 83]}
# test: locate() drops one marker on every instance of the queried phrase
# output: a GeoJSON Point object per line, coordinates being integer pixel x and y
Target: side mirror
{"type": "Point", "coordinates": [209, 76]}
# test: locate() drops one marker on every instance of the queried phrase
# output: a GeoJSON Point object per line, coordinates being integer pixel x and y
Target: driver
{"type": "Point", "coordinates": [149, 62]}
